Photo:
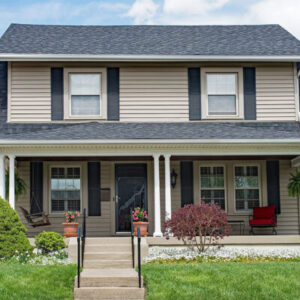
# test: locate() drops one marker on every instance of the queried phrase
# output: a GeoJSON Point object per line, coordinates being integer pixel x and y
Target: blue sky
{"type": "Point", "coordinates": [158, 12]}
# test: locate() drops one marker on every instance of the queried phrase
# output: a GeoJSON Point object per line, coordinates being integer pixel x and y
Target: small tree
{"type": "Point", "coordinates": [294, 191]}
{"type": "Point", "coordinates": [13, 237]}
{"type": "Point", "coordinates": [198, 226]}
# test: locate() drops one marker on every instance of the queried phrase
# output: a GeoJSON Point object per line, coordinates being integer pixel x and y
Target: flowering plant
{"type": "Point", "coordinates": [139, 215]}
{"type": "Point", "coordinates": [71, 216]}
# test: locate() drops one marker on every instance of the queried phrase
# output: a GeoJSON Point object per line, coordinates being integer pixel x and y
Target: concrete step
{"type": "Point", "coordinates": [107, 264]}
{"type": "Point", "coordinates": [95, 293]}
{"type": "Point", "coordinates": [108, 255]}
{"type": "Point", "coordinates": [108, 248]}
{"type": "Point", "coordinates": [108, 240]}
{"type": "Point", "coordinates": [108, 278]}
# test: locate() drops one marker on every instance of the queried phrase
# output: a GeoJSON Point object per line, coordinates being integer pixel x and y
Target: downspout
{"type": "Point", "coordinates": [298, 76]}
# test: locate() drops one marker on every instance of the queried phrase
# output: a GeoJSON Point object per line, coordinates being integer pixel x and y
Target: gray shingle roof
{"type": "Point", "coordinates": [149, 40]}
{"type": "Point", "coordinates": [121, 131]}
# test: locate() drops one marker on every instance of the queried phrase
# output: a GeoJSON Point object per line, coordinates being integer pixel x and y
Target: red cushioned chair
{"type": "Point", "coordinates": [263, 217]}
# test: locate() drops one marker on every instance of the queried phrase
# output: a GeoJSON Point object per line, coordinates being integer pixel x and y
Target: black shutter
{"type": "Point", "coordinates": [187, 185]}
{"type": "Point", "coordinates": [57, 94]}
{"type": "Point", "coordinates": [194, 93]}
{"type": "Point", "coordinates": [113, 94]}
{"type": "Point", "coordinates": [94, 192]}
{"type": "Point", "coordinates": [3, 91]}
{"type": "Point", "coordinates": [273, 182]}
{"type": "Point", "coordinates": [36, 187]}
{"type": "Point", "coordinates": [249, 94]}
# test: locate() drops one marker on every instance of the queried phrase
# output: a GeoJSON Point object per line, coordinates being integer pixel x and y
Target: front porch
{"type": "Point", "coordinates": [204, 173]}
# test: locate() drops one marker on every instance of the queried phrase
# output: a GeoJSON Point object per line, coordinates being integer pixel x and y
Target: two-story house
{"type": "Point", "coordinates": [112, 117]}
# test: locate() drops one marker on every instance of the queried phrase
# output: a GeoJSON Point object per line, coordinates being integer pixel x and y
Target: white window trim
{"type": "Point", "coordinates": [67, 94]}
{"type": "Point", "coordinates": [49, 189]}
{"type": "Point", "coordinates": [246, 212]}
{"type": "Point", "coordinates": [225, 180]}
{"type": "Point", "coordinates": [239, 93]}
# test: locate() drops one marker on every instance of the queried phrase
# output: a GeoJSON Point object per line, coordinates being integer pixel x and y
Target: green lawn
{"type": "Point", "coordinates": [30, 282]}
{"type": "Point", "coordinates": [226, 281]}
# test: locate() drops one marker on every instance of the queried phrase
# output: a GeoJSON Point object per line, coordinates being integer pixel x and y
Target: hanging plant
{"type": "Point", "coordinates": [20, 185]}
{"type": "Point", "coordinates": [294, 191]}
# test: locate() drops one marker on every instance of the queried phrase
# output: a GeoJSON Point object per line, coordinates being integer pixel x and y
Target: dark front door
{"type": "Point", "coordinates": [131, 191]}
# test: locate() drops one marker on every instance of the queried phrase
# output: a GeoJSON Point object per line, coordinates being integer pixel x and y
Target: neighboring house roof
{"type": "Point", "coordinates": [239, 40]}
{"type": "Point", "coordinates": [151, 131]}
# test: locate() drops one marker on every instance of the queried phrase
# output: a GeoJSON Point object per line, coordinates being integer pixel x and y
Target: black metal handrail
{"type": "Point", "coordinates": [83, 235]}
{"type": "Point", "coordinates": [132, 237]}
{"type": "Point", "coordinates": [139, 256]}
{"type": "Point", "coordinates": [78, 257]}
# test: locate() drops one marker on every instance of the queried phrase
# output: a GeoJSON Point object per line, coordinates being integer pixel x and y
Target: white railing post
{"type": "Point", "coordinates": [12, 181]}
{"type": "Point", "coordinates": [167, 186]}
{"type": "Point", "coordinates": [2, 176]}
{"type": "Point", "coordinates": [157, 224]}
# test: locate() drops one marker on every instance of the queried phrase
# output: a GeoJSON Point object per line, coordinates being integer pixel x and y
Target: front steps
{"type": "Point", "coordinates": [107, 271]}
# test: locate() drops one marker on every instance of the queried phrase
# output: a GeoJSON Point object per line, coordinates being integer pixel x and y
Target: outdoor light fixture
{"type": "Point", "coordinates": [173, 178]}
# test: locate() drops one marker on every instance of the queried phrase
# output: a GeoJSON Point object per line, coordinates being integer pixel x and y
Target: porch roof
{"type": "Point", "coordinates": [151, 131]}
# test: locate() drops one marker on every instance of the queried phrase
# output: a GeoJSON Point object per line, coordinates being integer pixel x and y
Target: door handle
{"type": "Point", "coordinates": [116, 199]}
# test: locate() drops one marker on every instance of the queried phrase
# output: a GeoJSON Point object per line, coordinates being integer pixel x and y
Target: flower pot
{"type": "Point", "coordinates": [70, 229]}
{"type": "Point", "coordinates": [143, 228]}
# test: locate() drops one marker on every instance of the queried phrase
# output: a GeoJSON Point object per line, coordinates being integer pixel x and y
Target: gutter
{"type": "Point", "coordinates": [149, 141]}
{"type": "Point", "coordinates": [146, 58]}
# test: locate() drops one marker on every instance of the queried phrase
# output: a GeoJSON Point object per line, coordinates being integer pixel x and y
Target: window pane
{"type": "Point", "coordinates": [212, 177]}
{"type": "Point", "coordinates": [85, 84]}
{"type": "Point", "coordinates": [222, 105]}
{"type": "Point", "coordinates": [246, 177]}
{"type": "Point", "coordinates": [213, 197]}
{"type": "Point", "coordinates": [247, 199]}
{"type": "Point", "coordinates": [85, 105]}
{"type": "Point", "coordinates": [221, 84]}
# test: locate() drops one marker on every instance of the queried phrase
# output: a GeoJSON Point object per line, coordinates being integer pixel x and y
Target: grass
{"type": "Point", "coordinates": [28, 282]}
{"type": "Point", "coordinates": [247, 281]}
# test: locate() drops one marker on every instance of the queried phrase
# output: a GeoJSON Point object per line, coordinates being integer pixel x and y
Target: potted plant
{"type": "Point", "coordinates": [140, 219]}
{"type": "Point", "coordinates": [71, 226]}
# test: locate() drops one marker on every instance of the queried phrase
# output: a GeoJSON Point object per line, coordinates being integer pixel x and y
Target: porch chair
{"type": "Point", "coordinates": [263, 217]}
{"type": "Point", "coordinates": [35, 220]}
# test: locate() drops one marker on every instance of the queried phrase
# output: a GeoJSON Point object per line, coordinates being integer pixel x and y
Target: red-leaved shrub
{"type": "Point", "coordinates": [198, 225]}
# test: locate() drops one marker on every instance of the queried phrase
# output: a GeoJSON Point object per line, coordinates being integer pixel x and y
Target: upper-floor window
{"type": "Point", "coordinates": [85, 93]}
{"type": "Point", "coordinates": [222, 93]}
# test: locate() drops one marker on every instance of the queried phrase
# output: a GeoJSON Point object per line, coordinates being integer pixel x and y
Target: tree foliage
{"type": "Point", "coordinates": [13, 239]}
{"type": "Point", "coordinates": [198, 226]}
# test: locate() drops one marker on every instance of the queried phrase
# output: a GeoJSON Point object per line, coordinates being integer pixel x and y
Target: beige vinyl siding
{"type": "Point", "coordinates": [276, 93]}
{"type": "Point", "coordinates": [154, 94]}
{"type": "Point", "coordinates": [288, 219]}
{"type": "Point", "coordinates": [30, 94]}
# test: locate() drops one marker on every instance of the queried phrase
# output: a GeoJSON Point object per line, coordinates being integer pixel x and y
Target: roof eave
{"type": "Point", "coordinates": [146, 58]}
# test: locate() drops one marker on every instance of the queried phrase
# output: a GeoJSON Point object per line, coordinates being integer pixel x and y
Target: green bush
{"type": "Point", "coordinates": [49, 241]}
{"type": "Point", "coordinates": [13, 239]}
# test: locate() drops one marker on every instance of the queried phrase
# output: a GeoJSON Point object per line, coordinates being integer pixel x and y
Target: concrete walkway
{"type": "Point", "coordinates": [107, 271]}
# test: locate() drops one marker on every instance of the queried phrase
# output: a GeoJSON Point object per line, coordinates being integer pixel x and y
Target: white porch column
{"type": "Point", "coordinates": [2, 176]}
{"type": "Point", "coordinates": [157, 225]}
{"type": "Point", "coordinates": [12, 181]}
{"type": "Point", "coordinates": [167, 186]}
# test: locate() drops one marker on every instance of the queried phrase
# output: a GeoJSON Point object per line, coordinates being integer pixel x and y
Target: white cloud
{"type": "Point", "coordinates": [192, 7]}
{"type": "Point", "coordinates": [143, 11]}
{"type": "Point", "coordinates": [208, 12]}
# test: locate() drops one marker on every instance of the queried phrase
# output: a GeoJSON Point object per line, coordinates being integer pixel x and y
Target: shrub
{"type": "Point", "coordinates": [49, 241]}
{"type": "Point", "coordinates": [198, 226]}
{"type": "Point", "coordinates": [13, 237]}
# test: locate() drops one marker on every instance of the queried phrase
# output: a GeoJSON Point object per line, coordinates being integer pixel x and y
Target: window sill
{"type": "Point", "coordinates": [223, 118]}
{"type": "Point", "coordinates": [86, 118]}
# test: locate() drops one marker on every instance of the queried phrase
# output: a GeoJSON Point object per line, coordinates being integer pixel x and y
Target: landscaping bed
{"type": "Point", "coordinates": [226, 281]}
{"type": "Point", "coordinates": [27, 281]}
